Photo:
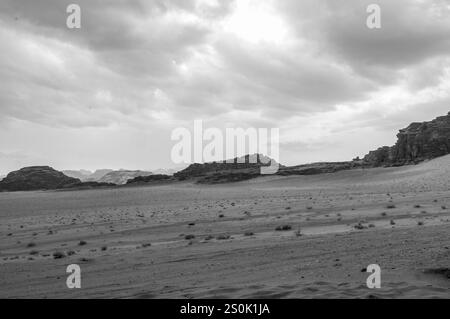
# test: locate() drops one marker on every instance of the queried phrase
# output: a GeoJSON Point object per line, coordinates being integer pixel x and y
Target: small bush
{"type": "Point", "coordinates": [58, 255]}
{"type": "Point", "coordinates": [391, 206]}
{"type": "Point", "coordinates": [31, 245]}
{"type": "Point", "coordinates": [82, 243]}
{"type": "Point", "coordinates": [283, 228]}
{"type": "Point", "coordinates": [249, 233]}
{"type": "Point", "coordinates": [392, 222]}
{"type": "Point", "coordinates": [223, 237]}
{"type": "Point", "coordinates": [420, 223]}
{"type": "Point", "coordinates": [105, 247]}
{"type": "Point", "coordinates": [188, 237]}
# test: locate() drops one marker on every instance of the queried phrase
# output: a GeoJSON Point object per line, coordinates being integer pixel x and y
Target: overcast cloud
{"type": "Point", "coordinates": [109, 94]}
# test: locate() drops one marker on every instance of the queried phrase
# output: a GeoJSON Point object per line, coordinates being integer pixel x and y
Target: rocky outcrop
{"type": "Point", "coordinates": [319, 168]}
{"type": "Point", "coordinates": [239, 166]}
{"type": "Point", "coordinates": [149, 179]}
{"type": "Point", "coordinates": [36, 178]}
{"type": "Point", "coordinates": [416, 143]}
{"type": "Point", "coordinates": [122, 176]}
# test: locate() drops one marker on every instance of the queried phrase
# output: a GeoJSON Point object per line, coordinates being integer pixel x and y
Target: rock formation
{"type": "Point", "coordinates": [149, 179]}
{"type": "Point", "coordinates": [416, 143]}
{"type": "Point", "coordinates": [36, 178]}
{"type": "Point", "coordinates": [239, 168]}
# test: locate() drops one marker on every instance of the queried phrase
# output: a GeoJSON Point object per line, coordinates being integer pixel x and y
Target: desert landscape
{"type": "Point", "coordinates": [239, 149]}
{"type": "Point", "coordinates": [269, 237]}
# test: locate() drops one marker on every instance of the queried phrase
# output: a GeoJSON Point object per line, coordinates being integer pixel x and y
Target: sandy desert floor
{"type": "Point", "coordinates": [192, 241]}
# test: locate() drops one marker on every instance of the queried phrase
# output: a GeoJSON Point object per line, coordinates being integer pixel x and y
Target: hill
{"type": "Point", "coordinates": [36, 178]}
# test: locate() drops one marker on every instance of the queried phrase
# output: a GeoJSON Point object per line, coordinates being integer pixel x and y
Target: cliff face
{"type": "Point", "coordinates": [36, 178]}
{"type": "Point", "coordinates": [416, 143]}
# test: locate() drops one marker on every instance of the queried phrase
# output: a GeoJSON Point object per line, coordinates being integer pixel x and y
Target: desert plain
{"type": "Point", "coordinates": [270, 237]}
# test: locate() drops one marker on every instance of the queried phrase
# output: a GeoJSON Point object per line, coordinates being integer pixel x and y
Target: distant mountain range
{"type": "Point", "coordinates": [122, 176]}
{"type": "Point", "coordinates": [85, 175]}
{"type": "Point", "coordinates": [418, 142]}
{"type": "Point", "coordinates": [111, 176]}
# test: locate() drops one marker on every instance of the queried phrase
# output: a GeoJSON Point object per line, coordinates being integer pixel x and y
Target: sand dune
{"type": "Point", "coordinates": [192, 241]}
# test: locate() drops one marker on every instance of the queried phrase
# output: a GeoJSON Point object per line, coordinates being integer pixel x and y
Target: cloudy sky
{"type": "Point", "coordinates": [108, 95]}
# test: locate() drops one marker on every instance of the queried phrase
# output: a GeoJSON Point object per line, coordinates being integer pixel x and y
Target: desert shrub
{"type": "Point", "coordinates": [82, 243]}
{"type": "Point", "coordinates": [58, 255]}
{"type": "Point", "coordinates": [283, 228]}
{"type": "Point", "coordinates": [391, 206]}
{"type": "Point", "coordinates": [223, 237]}
{"type": "Point", "coordinates": [188, 237]}
{"type": "Point", "coordinates": [31, 245]}
{"type": "Point", "coordinates": [249, 233]}
{"type": "Point", "coordinates": [392, 222]}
